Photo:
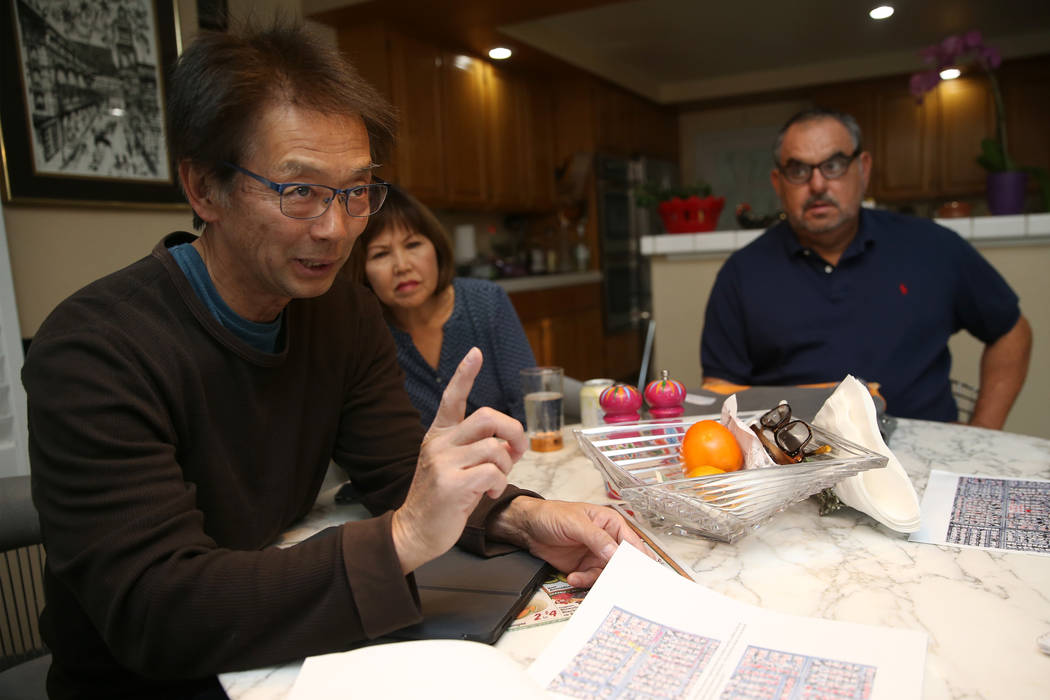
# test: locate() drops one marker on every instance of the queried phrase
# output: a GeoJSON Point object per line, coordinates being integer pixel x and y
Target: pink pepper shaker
{"type": "Point", "coordinates": [620, 403]}
{"type": "Point", "coordinates": [665, 396]}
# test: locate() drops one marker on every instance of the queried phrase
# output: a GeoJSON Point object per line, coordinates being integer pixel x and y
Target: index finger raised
{"type": "Point", "coordinates": [454, 399]}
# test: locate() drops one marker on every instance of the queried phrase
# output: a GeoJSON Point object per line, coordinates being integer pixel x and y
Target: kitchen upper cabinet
{"type": "Point", "coordinates": [416, 89]}
{"type": "Point", "coordinates": [507, 154]}
{"type": "Point", "coordinates": [1026, 97]}
{"type": "Point", "coordinates": [439, 155]}
{"type": "Point", "coordinates": [540, 165]}
{"type": "Point", "coordinates": [463, 109]}
{"type": "Point", "coordinates": [520, 145]}
{"type": "Point", "coordinates": [657, 129]}
{"type": "Point", "coordinates": [471, 135]}
{"type": "Point", "coordinates": [617, 131]}
{"type": "Point", "coordinates": [966, 116]}
{"type": "Point", "coordinates": [919, 150]}
{"type": "Point", "coordinates": [592, 116]}
{"type": "Point", "coordinates": [904, 146]}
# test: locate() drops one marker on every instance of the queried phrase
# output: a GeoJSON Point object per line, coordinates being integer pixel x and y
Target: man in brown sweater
{"type": "Point", "coordinates": [184, 410]}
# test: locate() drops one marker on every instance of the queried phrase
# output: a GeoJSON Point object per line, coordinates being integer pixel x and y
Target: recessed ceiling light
{"type": "Point", "coordinates": [499, 53]}
{"type": "Point", "coordinates": [881, 12]}
{"type": "Point", "coordinates": [950, 73]}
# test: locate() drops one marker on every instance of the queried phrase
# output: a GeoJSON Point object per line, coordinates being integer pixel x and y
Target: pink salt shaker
{"type": "Point", "coordinates": [665, 397]}
{"type": "Point", "coordinates": [620, 403]}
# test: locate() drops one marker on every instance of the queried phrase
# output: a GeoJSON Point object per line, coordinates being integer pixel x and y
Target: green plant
{"type": "Point", "coordinates": [649, 194]}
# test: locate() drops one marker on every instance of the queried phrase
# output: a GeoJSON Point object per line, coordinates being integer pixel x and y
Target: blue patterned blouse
{"type": "Point", "coordinates": [482, 316]}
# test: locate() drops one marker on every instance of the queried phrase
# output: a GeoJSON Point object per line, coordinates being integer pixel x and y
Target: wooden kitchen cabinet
{"type": "Point", "coordinates": [416, 89]}
{"type": "Point", "coordinates": [520, 142]}
{"type": "Point", "coordinates": [1025, 85]}
{"type": "Point", "coordinates": [592, 116]}
{"type": "Point", "coordinates": [966, 115]}
{"type": "Point", "coordinates": [904, 146]}
{"type": "Point", "coordinates": [920, 150]}
{"type": "Point", "coordinates": [564, 327]}
{"type": "Point", "coordinates": [463, 112]}
{"type": "Point", "coordinates": [440, 151]}
{"type": "Point", "coordinates": [540, 165]}
{"type": "Point", "coordinates": [505, 100]}
{"type": "Point", "coordinates": [471, 135]}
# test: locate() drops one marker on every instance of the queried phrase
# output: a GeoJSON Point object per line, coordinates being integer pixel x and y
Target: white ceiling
{"type": "Point", "coordinates": [681, 50]}
{"type": "Point", "coordinates": [674, 51]}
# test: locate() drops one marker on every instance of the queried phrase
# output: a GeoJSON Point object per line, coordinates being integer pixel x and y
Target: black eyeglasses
{"type": "Point", "coordinates": [799, 173]}
{"type": "Point", "coordinates": [791, 436]}
{"type": "Point", "coordinates": [303, 200]}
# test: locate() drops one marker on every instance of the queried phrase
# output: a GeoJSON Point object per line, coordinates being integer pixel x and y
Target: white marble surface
{"type": "Point", "coordinates": [982, 610]}
{"type": "Point", "coordinates": [534, 282]}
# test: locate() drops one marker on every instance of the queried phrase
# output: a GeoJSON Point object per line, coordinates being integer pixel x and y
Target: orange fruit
{"type": "Point", "coordinates": [709, 444]}
{"type": "Point", "coordinates": [702, 470]}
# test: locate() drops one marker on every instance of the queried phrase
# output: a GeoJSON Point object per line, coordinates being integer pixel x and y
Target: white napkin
{"type": "Point", "coordinates": [755, 455]}
{"type": "Point", "coordinates": [885, 494]}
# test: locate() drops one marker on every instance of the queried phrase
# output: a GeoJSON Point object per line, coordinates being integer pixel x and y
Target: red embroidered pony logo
{"type": "Point", "coordinates": [904, 289]}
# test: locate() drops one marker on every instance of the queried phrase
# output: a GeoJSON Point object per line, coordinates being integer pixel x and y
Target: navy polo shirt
{"type": "Point", "coordinates": [780, 315]}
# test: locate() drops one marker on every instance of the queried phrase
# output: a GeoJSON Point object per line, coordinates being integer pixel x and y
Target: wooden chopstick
{"type": "Point", "coordinates": [649, 541]}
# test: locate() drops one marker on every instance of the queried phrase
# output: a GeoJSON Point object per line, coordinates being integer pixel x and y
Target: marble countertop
{"type": "Point", "coordinates": [1022, 229]}
{"type": "Point", "coordinates": [981, 609]}
{"type": "Point", "coordinates": [562, 279]}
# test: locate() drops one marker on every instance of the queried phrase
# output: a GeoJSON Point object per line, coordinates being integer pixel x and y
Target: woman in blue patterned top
{"type": "Point", "coordinates": [404, 255]}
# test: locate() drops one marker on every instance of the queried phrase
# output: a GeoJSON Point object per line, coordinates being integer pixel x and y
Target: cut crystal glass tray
{"type": "Point", "coordinates": [643, 463]}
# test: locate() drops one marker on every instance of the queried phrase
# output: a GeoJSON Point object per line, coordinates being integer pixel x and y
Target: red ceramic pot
{"type": "Point", "coordinates": [691, 215]}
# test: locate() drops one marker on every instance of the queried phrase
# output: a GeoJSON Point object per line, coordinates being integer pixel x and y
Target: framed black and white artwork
{"type": "Point", "coordinates": [82, 108]}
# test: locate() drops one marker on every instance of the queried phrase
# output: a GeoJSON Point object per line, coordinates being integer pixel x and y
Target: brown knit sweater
{"type": "Point", "coordinates": [167, 454]}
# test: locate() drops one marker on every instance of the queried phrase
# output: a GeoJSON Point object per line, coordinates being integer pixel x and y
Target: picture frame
{"type": "Point", "coordinates": [82, 103]}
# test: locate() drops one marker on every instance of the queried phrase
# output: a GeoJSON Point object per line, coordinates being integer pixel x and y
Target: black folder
{"type": "Point", "coordinates": [465, 596]}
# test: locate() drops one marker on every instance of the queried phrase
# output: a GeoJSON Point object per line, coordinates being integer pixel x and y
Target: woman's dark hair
{"type": "Point", "coordinates": [224, 81]}
{"type": "Point", "coordinates": [403, 210]}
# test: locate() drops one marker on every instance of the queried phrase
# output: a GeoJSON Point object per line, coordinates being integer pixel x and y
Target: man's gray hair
{"type": "Point", "coordinates": [814, 114]}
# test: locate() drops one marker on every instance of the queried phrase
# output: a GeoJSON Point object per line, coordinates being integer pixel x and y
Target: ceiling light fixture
{"type": "Point", "coordinates": [881, 12]}
{"type": "Point", "coordinates": [950, 73]}
{"type": "Point", "coordinates": [499, 53]}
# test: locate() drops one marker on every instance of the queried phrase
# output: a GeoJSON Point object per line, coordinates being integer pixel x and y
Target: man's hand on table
{"type": "Point", "coordinates": [575, 538]}
{"type": "Point", "coordinates": [459, 461]}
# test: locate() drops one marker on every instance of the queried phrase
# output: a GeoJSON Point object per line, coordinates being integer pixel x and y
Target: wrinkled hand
{"type": "Point", "coordinates": [459, 461]}
{"type": "Point", "coordinates": [575, 538]}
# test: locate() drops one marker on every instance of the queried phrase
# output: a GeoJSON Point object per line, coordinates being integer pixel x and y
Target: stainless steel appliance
{"type": "Point", "coordinates": [621, 224]}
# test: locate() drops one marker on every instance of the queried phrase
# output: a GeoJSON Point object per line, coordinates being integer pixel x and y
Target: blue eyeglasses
{"type": "Point", "coordinates": [303, 200]}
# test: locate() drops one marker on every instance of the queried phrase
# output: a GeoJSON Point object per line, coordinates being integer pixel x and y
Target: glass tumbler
{"type": "Point", "coordinates": [544, 411]}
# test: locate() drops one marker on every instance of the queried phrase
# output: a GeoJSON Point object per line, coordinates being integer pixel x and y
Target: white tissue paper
{"type": "Point", "coordinates": [755, 455]}
{"type": "Point", "coordinates": [885, 494]}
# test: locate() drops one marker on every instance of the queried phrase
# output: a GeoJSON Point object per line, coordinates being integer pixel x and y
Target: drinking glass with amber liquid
{"type": "Point", "coordinates": [544, 410]}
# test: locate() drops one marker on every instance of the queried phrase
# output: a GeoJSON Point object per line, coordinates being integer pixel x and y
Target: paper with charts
{"type": "Point", "coordinates": [989, 512]}
{"type": "Point", "coordinates": [644, 631]}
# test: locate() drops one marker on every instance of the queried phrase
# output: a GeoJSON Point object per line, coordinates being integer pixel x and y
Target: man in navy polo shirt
{"type": "Point", "coordinates": [838, 289]}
